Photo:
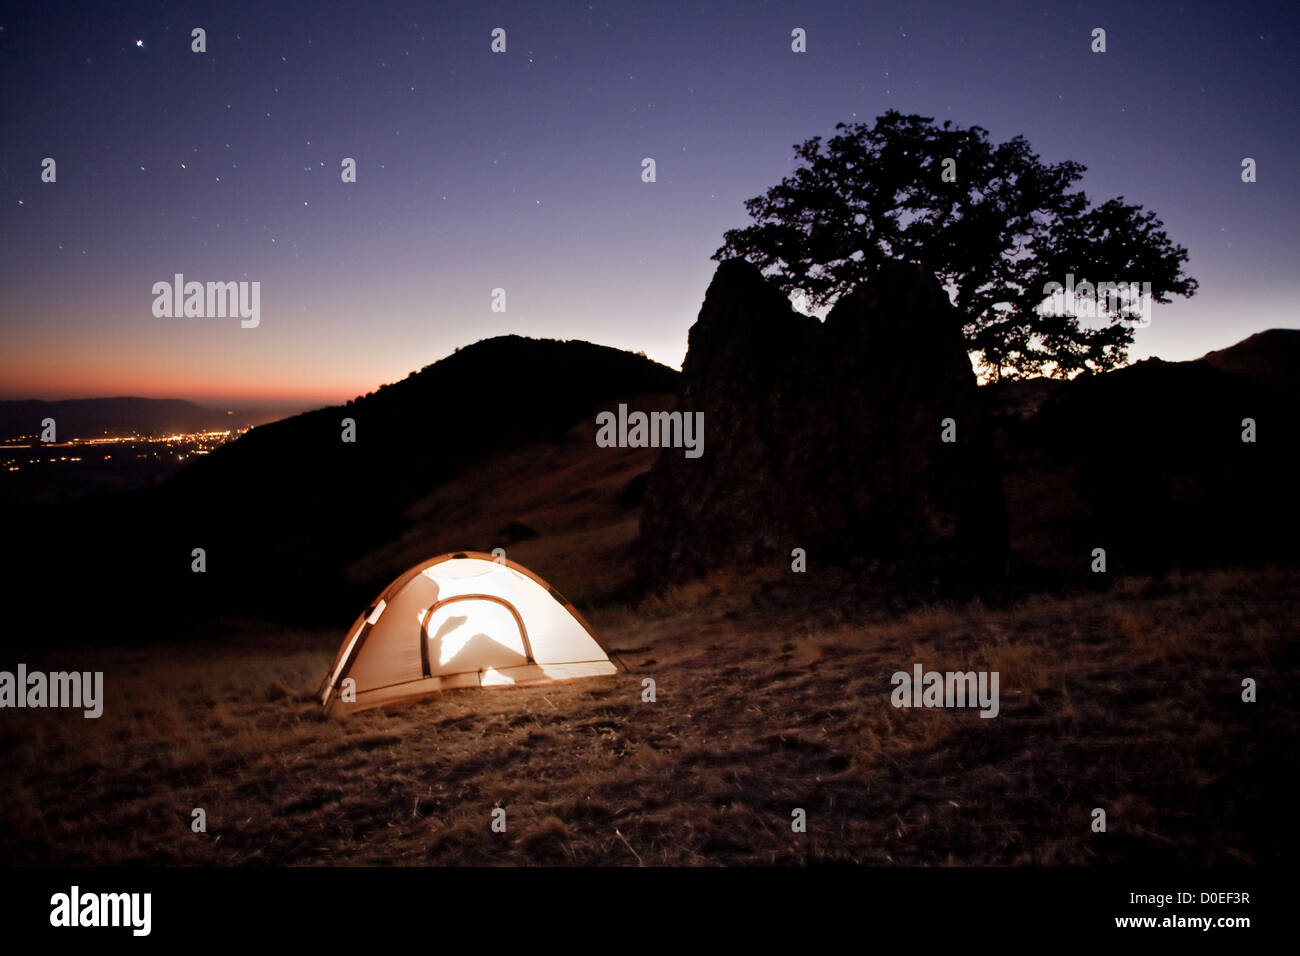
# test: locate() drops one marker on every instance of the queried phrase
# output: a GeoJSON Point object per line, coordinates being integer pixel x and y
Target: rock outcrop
{"type": "Point", "coordinates": [827, 436]}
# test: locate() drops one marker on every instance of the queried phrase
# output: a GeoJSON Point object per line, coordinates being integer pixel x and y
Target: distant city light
{"type": "Point", "coordinates": [181, 446]}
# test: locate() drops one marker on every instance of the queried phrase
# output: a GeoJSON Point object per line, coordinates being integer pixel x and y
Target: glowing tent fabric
{"type": "Point", "coordinates": [461, 620]}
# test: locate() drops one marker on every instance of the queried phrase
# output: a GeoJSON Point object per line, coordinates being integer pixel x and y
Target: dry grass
{"type": "Point", "coordinates": [1127, 700]}
{"type": "Point", "coordinates": [568, 491]}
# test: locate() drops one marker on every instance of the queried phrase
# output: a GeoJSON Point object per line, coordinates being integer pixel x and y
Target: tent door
{"type": "Point", "coordinates": [472, 632]}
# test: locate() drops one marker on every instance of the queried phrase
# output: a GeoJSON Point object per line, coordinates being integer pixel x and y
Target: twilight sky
{"type": "Point", "coordinates": [522, 170]}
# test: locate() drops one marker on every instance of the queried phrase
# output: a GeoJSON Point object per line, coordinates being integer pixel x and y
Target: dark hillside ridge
{"type": "Point", "coordinates": [282, 511]}
{"type": "Point", "coordinates": [1161, 467]}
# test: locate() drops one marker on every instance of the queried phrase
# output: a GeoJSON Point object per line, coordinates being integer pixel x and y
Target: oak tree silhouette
{"type": "Point", "coordinates": [992, 222]}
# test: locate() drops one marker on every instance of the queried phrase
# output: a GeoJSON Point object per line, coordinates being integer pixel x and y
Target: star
{"type": "Point", "coordinates": [139, 43]}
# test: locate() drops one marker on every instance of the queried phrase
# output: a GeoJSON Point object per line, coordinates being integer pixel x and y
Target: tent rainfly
{"type": "Point", "coordinates": [466, 619]}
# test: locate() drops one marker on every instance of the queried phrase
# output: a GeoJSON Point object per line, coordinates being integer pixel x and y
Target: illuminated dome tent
{"type": "Point", "coordinates": [465, 619]}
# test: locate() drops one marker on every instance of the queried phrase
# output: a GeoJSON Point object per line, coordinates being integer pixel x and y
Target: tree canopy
{"type": "Point", "coordinates": [992, 222]}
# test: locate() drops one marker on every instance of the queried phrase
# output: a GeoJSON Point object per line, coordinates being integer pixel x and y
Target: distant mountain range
{"type": "Point", "coordinates": [98, 417]}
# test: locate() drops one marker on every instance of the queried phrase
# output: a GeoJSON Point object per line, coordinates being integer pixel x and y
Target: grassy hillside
{"type": "Point", "coordinates": [1127, 700]}
{"type": "Point", "coordinates": [580, 501]}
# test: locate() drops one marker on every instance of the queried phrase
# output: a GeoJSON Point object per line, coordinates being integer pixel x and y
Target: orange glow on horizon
{"type": "Point", "coordinates": [234, 391]}
{"type": "Point", "coordinates": [202, 374]}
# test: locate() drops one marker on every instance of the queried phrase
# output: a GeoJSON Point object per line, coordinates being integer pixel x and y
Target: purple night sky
{"type": "Point", "coordinates": [522, 170]}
